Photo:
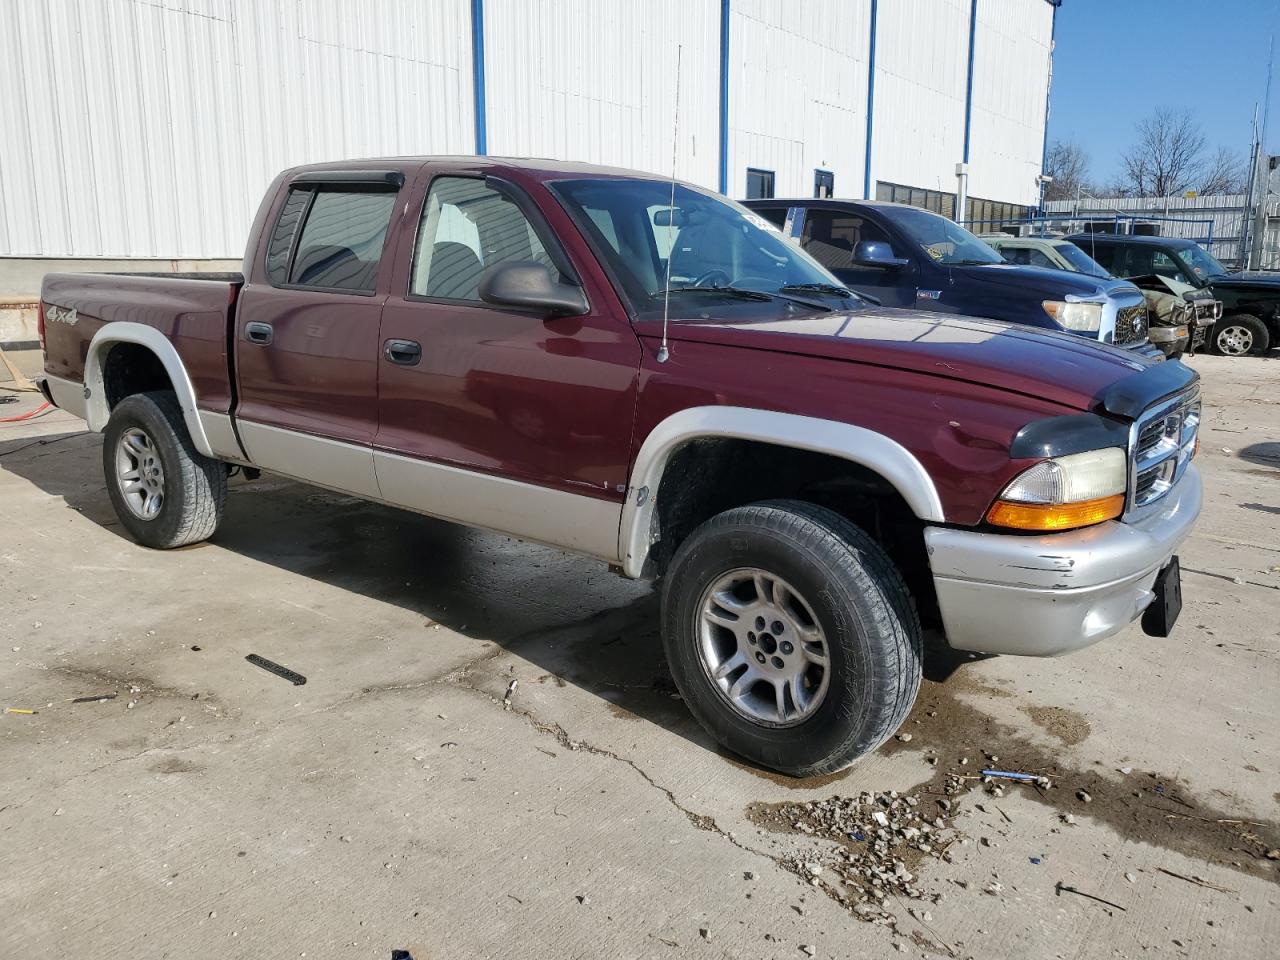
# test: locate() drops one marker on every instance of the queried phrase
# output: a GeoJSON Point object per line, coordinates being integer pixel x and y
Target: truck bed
{"type": "Point", "coordinates": [193, 310]}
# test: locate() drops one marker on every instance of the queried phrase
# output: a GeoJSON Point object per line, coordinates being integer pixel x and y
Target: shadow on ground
{"type": "Point", "coordinates": [566, 614]}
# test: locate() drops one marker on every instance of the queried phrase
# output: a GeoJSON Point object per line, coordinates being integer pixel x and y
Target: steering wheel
{"type": "Point", "coordinates": [720, 278]}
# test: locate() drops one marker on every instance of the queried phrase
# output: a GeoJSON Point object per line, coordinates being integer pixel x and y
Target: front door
{"type": "Point", "coordinates": [496, 416]}
{"type": "Point", "coordinates": [307, 341]}
{"type": "Point", "coordinates": [832, 236]}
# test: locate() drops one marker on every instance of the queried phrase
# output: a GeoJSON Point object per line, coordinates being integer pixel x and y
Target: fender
{"type": "Point", "coordinates": [119, 331]}
{"type": "Point", "coordinates": [858, 445]}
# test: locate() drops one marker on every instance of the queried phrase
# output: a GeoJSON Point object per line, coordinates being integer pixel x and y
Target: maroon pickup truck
{"type": "Point", "coordinates": [652, 375]}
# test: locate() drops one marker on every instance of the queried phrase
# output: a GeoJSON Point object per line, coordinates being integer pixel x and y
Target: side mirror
{"type": "Point", "coordinates": [877, 253]}
{"type": "Point", "coordinates": [530, 285]}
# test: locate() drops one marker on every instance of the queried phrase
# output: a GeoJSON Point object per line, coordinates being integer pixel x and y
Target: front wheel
{"type": "Point", "coordinates": [1241, 335]}
{"type": "Point", "coordinates": [165, 492]}
{"type": "Point", "coordinates": [791, 636]}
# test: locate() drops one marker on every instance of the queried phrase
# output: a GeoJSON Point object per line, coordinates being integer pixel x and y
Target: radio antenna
{"type": "Point", "coordinates": [663, 351]}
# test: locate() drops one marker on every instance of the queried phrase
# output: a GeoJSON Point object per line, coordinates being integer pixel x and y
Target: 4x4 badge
{"type": "Point", "coordinates": [928, 294]}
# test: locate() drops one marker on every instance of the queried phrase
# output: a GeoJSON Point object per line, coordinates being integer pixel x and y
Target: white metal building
{"type": "Point", "coordinates": [149, 128]}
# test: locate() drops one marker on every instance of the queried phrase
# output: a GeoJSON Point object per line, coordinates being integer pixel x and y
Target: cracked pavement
{"type": "Point", "coordinates": [397, 800]}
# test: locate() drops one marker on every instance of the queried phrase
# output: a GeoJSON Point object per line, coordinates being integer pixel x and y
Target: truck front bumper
{"type": "Point", "coordinates": [1047, 595]}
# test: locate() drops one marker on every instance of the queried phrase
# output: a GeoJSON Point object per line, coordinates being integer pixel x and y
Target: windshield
{"type": "Point", "coordinates": [1081, 261]}
{"type": "Point", "coordinates": [716, 247]}
{"type": "Point", "coordinates": [944, 240]}
{"type": "Point", "coordinates": [1204, 266]}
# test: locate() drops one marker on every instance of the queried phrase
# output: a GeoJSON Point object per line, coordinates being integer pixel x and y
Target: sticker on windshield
{"type": "Point", "coordinates": [758, 221]}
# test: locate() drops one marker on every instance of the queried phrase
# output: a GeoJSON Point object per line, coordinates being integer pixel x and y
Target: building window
{"type": "Point", "coordinates": [759, 184]}
{"type": "Point", "coordinates": [935, 200]}
{"type": "Point", "coordinates": [824, 184]}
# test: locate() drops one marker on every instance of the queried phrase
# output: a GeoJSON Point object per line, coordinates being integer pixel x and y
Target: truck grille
{"type": "Point", "coordinates": [1131, 324]}
{"type": "Point", "coordinates": [1164, 440]}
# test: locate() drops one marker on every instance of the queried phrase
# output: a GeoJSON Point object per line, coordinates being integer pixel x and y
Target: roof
{"type": "Point", "coordinates": [538, 167]}
{"type": "Point", "coordinates": [1133, 239]}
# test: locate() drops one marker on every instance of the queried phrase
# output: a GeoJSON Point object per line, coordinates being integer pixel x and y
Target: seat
{"type": "Point", "coordinates": [455, 272]}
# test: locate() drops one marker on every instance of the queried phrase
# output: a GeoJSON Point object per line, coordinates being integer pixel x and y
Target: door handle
{"type": "Point", "coordinates": [404, 352]}
{"type": "Point", "coordinates": [256, 332]}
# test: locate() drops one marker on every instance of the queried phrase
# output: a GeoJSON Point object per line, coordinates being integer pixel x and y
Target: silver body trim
{"type": "Point", "coordinates": [347, 467]}
{"type": "Point", "coordinates": [67, 395]}
{"type": "Point", "coordinates": [221, 436]}
{"type": "Point", "coordinates": [857, 444]}
{"type": "Point", "coordinates": [97, 411]}
{"type": "Point", "coordinates": [528, 511]}
{"type": "Point", "coordinates": [1048, 595]}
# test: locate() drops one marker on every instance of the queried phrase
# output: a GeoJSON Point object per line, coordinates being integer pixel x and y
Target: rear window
{"type": "Point", "coordinates": [330, 238]}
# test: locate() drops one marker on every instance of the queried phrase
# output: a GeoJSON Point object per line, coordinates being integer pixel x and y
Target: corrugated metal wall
{"type": "Point", "coordinates": [922, 53]}
{"type": "Point", "coordinates": [595, 80]}
{"type": "Point", "coordinates": [151, 129]}
{"type": "Point", "coordinates": [798, 92]}
{"type": "Point", "coordinates": [1010, 81]}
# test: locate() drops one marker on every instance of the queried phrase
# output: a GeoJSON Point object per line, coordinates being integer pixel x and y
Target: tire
{"type": "Point", "coordinates": [1240, 335]}
{"type": "Point", "coordinates": [180, 505]}
{"type": "Point", "coordinates": [840, 581]}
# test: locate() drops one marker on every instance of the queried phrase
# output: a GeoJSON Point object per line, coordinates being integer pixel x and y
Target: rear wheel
{"type": "Point", "coordinates": [165, 492]}
{"type": "Point", "coordinates": [1240, 335]}
{"type": "Point", "coordinates": [791, 636]}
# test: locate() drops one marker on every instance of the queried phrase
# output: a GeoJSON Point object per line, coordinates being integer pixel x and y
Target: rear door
{"type": "Point", "coordinates": [306, 335]}
{"type": "Point", "coordinates": [493, 415]}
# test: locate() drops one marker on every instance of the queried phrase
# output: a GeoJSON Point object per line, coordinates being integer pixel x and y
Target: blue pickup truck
{"type": "Point", "coordinates": [909, 257]}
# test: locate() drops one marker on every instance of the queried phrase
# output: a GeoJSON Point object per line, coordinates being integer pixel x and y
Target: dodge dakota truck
{"type": "Point", "coordinates": [652, 375]}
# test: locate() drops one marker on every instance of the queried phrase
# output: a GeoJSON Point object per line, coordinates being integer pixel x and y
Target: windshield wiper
{"type": "Point", "coordinates": [831, 288]}
{"type": "Point", "coordinates": [723, 290]}
{"type": "Point", "coordinates": [744, 294]}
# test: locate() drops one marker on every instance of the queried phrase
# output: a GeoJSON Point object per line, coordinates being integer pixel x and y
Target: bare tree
{"type": "Point", "coordinates": [1166, 158]}
{"type": "Point", "coordinates": [1223, 172]}
{"type": "Point", "coordinates": [1068, 164]}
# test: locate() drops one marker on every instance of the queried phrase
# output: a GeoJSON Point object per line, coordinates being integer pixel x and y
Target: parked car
{"type": "Point", "coordinates": [1052, 253]}
{"type": "Point", "coordinates": [908, 257]}
{"type": "Point", "coordinates": [1179, 317]}
{"type": "Point", "coordinates": [1250, 310]}
{"type": "Point", "coordinates": [557, 352]}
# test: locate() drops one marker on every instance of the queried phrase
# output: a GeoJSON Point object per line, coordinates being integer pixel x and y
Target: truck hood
{"type": "Point", "coordinates": [1268, 282]}
{"type": "Point", "coordinates": [1061, 368]}
{"type": "Point", "coordinates": [1051, 284]}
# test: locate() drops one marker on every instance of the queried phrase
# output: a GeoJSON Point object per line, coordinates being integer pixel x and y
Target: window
{"type": "Point", "coordinates": [712, 244]}
{"type": "Point", "coordinates": [775, 215]}
{"type": "Point", "coordinates": [467, 226]}
{"type": "Point", "coordinates": [824, 184]}
{"type": "Point", "coordinates": [935, 200]}
{"type": "Point", "coordinates": [1105, 254]}
{"type": "Point", "coordinates": [759, 184]}
{"type": "Point", "coordinates": [830, 238]}
{"type": "Point", "coordinates": [340, 241]}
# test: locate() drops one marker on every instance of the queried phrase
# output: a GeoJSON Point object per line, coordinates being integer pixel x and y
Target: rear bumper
{"type": "Point", "coordinates": [1048, 595]}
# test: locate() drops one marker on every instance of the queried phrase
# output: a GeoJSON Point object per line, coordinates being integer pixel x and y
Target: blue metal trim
{"type": "Point", "coordinates": [871, 101]}
{"type": "Point", "coordinates": [477, 75]}
{"type": "Point", "coordinates": [1044, 146]}
{"type": "Point", "coordinates": [724, 97]}
{"type": "Point", "coordinates": [968, 87]}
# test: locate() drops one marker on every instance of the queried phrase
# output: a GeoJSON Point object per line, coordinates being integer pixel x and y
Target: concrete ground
{"type": "Point", "coordinates": [395, 802]}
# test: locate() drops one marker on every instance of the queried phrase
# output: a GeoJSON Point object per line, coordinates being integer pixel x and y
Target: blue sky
{"type": "Point", "coordinates": [1117, 60]}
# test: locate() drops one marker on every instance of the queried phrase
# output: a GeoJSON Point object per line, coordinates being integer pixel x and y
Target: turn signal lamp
{"type": "Point", "coordinates": [1064, 493]}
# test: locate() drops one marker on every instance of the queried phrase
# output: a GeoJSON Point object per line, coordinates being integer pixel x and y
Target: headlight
{"type": "Point", "coordinates": [1082, 317]}
{"type": "Point", "coordinates": [1065, 493]}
